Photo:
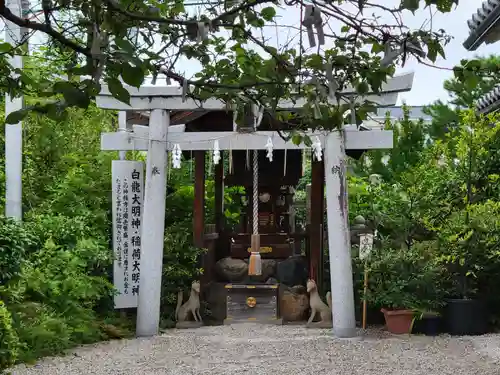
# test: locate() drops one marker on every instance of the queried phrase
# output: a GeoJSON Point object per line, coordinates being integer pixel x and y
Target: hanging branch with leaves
{"type": "Point", "coordinates": [238, 63]}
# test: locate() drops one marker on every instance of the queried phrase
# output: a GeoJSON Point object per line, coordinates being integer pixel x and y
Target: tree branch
{"type": "Point", "coordinates": [23, 22]}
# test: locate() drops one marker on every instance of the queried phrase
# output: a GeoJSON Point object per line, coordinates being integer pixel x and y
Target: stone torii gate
{"type": "Point", "coordinates": [157, 141]}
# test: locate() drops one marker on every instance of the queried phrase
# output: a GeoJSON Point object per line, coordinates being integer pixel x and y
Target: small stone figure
{"type": "Point", "coordinates": [191, 307]}
{"type": "Point", "coordinates": [318, 306]}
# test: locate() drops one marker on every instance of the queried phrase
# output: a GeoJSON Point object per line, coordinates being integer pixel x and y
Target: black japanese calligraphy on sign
{"type": "Point", "coordinates": [127, 213]}
{"type": "Point", "coordinates": [136, 223]}
{"type": "Point", "coordinates": [125, 228]}
{"type": "Point", "coordinates": [136, 211]}
{"type": "Point", "coordinates": [136, 199]}
{"type": "Point", "coordinates": [118, 230]}
{"type": "Point", "coordinates": [135, 240]}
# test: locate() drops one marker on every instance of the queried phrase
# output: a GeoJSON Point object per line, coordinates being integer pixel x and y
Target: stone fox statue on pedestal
{"type": "Point", "coordinates": [317, 305]}
{"type": "Point", "coordinates": [192, 305]}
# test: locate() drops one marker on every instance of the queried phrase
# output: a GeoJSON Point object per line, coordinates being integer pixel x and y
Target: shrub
{"type": "Point", "coordinates": [469, 246]}
{"type": "Point", "coordinates": [41, 331]}
{"type": "Point", "coordinates": [405, 279]}
{"type": "Point", "coordinates": [9, 342]}
{"type": "Point", "coordinates": [53, 300]}
{"type": "Point", "coordinates": [180, 265]}
{"type": "Point", "coordinates": [15, 242]}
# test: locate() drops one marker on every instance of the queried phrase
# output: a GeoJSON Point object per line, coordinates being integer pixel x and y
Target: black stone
{"type": "Point", "coordinates": [293, 271]}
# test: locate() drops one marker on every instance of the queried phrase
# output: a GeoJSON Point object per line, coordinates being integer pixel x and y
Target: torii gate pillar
{"type": "Point", "coordinates": [339, 247]}
{"type": "Point", "coordinates": [153, 226]}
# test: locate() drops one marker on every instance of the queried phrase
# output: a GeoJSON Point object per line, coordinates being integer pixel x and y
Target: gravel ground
{"type": "Point", "coordinates": [289, 350]}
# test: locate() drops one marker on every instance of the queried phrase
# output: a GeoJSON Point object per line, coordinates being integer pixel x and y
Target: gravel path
{"type": "Point", "coordinates": [246, 349]}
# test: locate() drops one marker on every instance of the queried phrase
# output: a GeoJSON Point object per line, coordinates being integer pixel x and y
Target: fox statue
{"type": "Point", "coordinates": [317, 305]}
{"type": "Point", "coordinates": [192, 305]}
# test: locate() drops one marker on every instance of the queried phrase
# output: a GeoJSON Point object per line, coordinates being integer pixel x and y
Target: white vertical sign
{"type": "Point", "coordinates": [128, 192]}
{"type": "Point", "coordinates": [365, 245]}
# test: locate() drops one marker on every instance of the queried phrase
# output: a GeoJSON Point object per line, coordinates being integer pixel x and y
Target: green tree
{"type": "Point", "coordinates": [471, 80]}
{"type": "Point", "coordinates": [410, 140]}
{"type": "Point", "coordinates": [92, 39]}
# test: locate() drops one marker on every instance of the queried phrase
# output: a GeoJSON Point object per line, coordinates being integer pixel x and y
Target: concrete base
{"type": "Point", "coordinates": [354, 338]}
{"type": "Point", "coordinates": [277, 322]}
{"type": "Point", "coordinates": [188, 324]}
{"type": "Point", "coordinates": [346, 333]}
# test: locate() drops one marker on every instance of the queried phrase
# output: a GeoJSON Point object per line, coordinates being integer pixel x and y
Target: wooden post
{"type": "Point", "coordinates": [365, 290]}
{"type": "Point", "coordinates": [365, 248]}
{"type": "Point", "coordinates": [308, 204]}
{"type": "Point", "coordinates": [153, 226]}
{"type": "Point", "coordinates": [342, 288]}
{"type": "Point", "coordinates": [199, 199]}
{"type": "Point", "coordinates": [219, 194]}
{"type": "Point", "coordinates": [317, 211]}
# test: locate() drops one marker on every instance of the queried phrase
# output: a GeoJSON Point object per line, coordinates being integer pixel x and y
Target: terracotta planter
{"type": "Point", "coordinates": [398, 321]}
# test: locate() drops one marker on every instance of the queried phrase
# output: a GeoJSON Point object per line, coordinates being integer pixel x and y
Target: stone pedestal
{"type": "Point", "coordinates": [294, 304]}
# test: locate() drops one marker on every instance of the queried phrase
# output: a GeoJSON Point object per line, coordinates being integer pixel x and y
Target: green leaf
{"type": "Point", "coordinates": [268, 13]}
{"type": "Point", "coordinates": [361, 5]}
{"type": "Point", "coordinates": [15, 117]}
{"type": "Point", "coordinates": [296, 139]}
{"type": "Point", "coordinates": [377, 47]}
{"type": "Point", "coordinates": [132, 75]}
{"type": "Point", "coordinates": [344, 29]}
{"type": "Point", "coordinates": [5, 47]}
{"type": "Point", "coordinates": [118, 91]}
{"type": "Point", "coordinates": [362, 88]}
{"type": "Point", "coordinates": [55, 112]}
{"type": "Point", "coordinates": [307, 141]}
{"type": "Point", "coordinates": [433, 49]}
{"type": "Point", "coordinates": [73, 95]}
{"type": "Point", "coordinates": [124, 45]}
{"type": "Point", "coordinates": [411, 5]}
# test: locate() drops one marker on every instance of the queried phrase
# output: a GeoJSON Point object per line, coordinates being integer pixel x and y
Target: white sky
{"type": "Point", "coordinates": [428, 82]}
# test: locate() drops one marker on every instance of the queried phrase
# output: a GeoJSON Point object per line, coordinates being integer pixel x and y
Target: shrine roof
{"type": "Point", "coordinates": [484, 25]}
{"type": "Point", "coordinates": [489, 102]}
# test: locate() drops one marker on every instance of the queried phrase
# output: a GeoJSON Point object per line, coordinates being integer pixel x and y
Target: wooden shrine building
{"type": "Point", "coordinates": [209, 126]}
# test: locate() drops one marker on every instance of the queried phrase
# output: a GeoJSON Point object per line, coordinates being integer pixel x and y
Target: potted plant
{"type": "Point", "coordinates": [390, 289]}
{"type": "Point", "coordinates": [465, 251]}
{"type": "Point", "coordinates": [397, 307]}
{"type": "Point", "coordinates": [403, 282]}
{"type": "Point", "coordinates": [398, 321]}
